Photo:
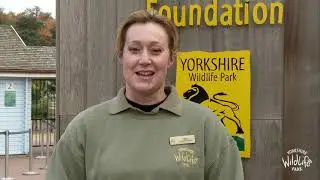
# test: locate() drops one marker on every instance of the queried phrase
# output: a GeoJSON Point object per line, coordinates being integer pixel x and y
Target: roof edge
{"type": "Point", "coordinates": [18, 35]}
{"type": "Point", "coordinates": [26, 71]}
{"type": "Point", "coordinates": [28, 75]}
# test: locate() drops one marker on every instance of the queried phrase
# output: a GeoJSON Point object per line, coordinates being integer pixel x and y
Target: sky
{"type": "Point", "coordinates": [18, 6]}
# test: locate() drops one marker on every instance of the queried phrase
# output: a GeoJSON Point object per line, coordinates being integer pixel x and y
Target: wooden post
{"type": "Point", "coordinates": [301, 127]}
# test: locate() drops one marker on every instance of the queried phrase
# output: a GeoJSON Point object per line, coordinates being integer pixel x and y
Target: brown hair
{"type": "Point", "coordinates": [143, 16]}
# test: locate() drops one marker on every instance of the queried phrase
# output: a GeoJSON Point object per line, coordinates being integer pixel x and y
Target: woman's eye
{"type": "Point", "coordinates": [134, 50]}
{"type": "Point", "coordinates": [156, 51]}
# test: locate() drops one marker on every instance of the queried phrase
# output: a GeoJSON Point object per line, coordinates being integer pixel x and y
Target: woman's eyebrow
{"type": "Point", "coordinates": [139, 42]}
{"type": "Point", "coordinates": [134, 42]}
{"type": "Point", "coordinates": [155, 43]}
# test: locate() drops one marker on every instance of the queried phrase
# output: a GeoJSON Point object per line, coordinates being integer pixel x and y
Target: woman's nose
{"type": "Point", "coordinates": [145, 58]}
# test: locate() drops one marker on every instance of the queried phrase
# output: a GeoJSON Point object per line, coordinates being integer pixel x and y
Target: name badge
{"type": "Point", "coordinates": [177, 140]}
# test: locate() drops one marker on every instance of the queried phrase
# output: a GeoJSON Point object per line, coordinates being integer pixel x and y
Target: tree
{"type": "Point", "coordinates": [28, 27]}
{"type": "Point", "coordinates": [9, 18]}
{"type": "Point", "coordinates": [47, 32]}
{"type": "Point", "coordinates": [2, 16]}
{"type": "Point", "coordinates": [35, 11]}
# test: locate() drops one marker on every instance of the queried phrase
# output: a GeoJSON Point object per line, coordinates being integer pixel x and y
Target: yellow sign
{"type": "Point", "coordinates": [221, 82]}
{"type": "Point", "coordinates": [214, 14]}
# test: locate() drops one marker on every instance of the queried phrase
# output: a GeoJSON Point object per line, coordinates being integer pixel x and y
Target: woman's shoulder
{"type": "Point", "coordinates": [93, 112]}
{"type": "Point", "coordinates": [103, 106]}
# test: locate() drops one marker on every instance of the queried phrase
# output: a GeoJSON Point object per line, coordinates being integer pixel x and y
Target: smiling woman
{"type": "Point", "coordinates": [145, 59]}
{"type": "Point", "coordinates": [147, 131]}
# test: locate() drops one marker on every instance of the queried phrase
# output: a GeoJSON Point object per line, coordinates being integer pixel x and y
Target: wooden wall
{"type": "Point", "coordinates": [285, 70]}
{"type": "Point", "coordinates": [301, 126]}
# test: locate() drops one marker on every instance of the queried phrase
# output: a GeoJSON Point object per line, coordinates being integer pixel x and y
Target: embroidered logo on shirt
{"type": "Point", "coordinates": [186, 157]}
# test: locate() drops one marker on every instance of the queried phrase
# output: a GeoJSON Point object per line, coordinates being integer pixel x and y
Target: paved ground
{"type": "Point", "coordinates": [20, 163]}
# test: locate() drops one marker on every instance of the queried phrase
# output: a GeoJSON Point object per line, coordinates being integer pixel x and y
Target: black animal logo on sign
{"type": "Point", "coordinates": [222, 108]}
{"type": "Point", "coordinates": [196, 94]}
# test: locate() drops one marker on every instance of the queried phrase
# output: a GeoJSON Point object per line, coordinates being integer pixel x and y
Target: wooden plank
{"type": "Point", "coordinates": [63, 122]}
{"type": "Point", "coordinates": [266, 151]}
{"type": "Point", "coordinates": [58, 72]}
{"type": "Point", "coordinates": [192, 38]}
{"type": "Point", "coordinates": [302, 84]}
{"type": "Point", "coordinates": [195, 37]}
{"type": "Point", "coordinates": [266, 45]}
{"type": "Point", "coordinates": [231, 38]}
{"type": "Point", "coordinates": [124, 9]}
{"type": "Point", "coordinates": [101, 65]}
{"type": "Point", "coordinates": [72, 57]}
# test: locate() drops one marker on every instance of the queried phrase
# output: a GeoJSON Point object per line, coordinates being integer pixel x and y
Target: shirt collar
{"type": "Point", "coordinates": [172, 103]}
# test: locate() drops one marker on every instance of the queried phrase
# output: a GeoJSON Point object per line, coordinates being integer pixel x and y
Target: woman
{"type": "Point", "coordinates": [146, 131]}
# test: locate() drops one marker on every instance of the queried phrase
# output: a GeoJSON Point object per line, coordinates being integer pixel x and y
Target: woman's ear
{"type": "Point", "coordinates": [120, 59]}
{"type": "Point", "coordinates": [117, 58]}
{"type": "Point", "coordinates": [171, 61]}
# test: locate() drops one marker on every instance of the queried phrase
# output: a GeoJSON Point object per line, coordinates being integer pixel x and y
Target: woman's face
{"type": "Point", "coordinates": [146, 58]}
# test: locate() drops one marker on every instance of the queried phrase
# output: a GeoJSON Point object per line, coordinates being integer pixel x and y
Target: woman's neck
{"type": "Point", "coordinates": [145, 98]}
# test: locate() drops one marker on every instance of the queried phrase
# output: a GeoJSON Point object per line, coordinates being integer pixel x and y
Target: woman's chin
{"type": "Point", "coordinates": [144, 88]}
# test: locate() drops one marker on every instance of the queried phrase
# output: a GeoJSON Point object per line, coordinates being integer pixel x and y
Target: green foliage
{"type": "Point", "coordinates": [43, 99]}
{"type": "Point", "coordinates": [30, 37]}
{"type": "Point", "coordinates": [29, 22]}
{"type": "Point", "coordinates": [53, 32]}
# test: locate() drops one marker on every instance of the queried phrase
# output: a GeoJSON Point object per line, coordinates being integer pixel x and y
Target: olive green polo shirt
{"type": "Point", "coordinates": [177, 140]}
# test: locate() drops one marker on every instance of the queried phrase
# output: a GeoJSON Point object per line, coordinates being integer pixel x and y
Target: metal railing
{"type": "Point", "coordinates": [41, 128]}
{"type": "Point", "coordinates": [7, 150]}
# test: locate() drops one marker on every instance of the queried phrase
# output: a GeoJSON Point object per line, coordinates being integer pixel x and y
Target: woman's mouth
{"type": "Point", "coordinates": [145, 73]}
